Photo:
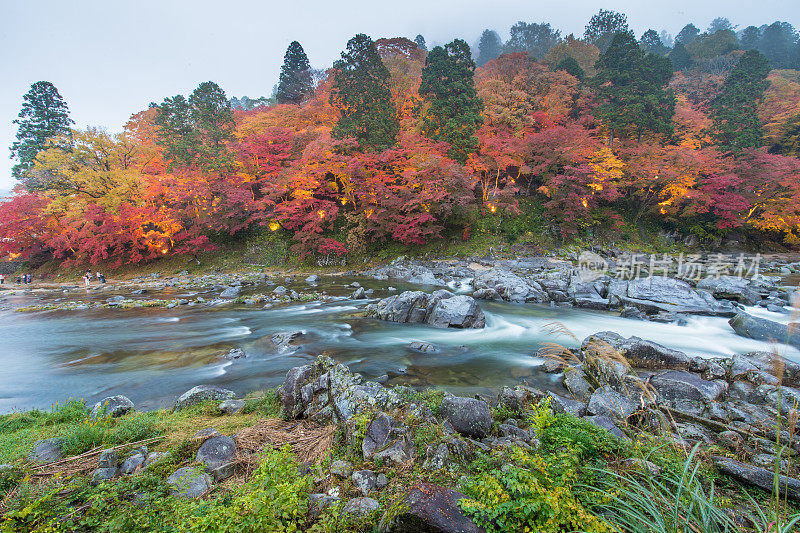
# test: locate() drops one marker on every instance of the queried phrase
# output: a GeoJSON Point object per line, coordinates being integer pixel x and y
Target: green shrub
{"type": "Point", "coordinates": [581, 437]}
{"type": "Point", "coordinates": [528, 493]}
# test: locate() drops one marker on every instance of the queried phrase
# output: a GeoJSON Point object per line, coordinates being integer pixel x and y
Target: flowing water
{"type": "Point", "coordinates": [152, 355]}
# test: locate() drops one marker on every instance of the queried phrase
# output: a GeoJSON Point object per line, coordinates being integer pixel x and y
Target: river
{"type": "Point", "coordinates": [152, 355]}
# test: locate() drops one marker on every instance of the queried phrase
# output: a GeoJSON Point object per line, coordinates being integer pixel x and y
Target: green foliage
{"type": "Point", "coordinates": [361, 92]}
{"type": "Point", "coordinates": [528, 492]}
{"type": "Point", "coordinates": [671, 502]}
{"type": "Point", "coordinates": [533, 39]}
{"type": "Point", "coordinates": [604, 26]}
{"type": "Point", "coordinates": [296, 83]}
{"type": "Point", "coordinates": [268, 405]}
{"type": "Point", "coordinates": [430, 398]}
{"type": "Point", "coordinates": [44, 117]}
{"type": "Point", "coordinates": [454, 111]}
{"type": "Point", "coordinates": [570, 65]}
{"type": "Point", "coordinates": [175, 133]}
{"type": "Point", "coordinates": [632, 89]}
{"type": "Point", "coordinates": [735, 111]}
{"type": "Point", "coordinates": [789, 141]}
{"type": "Point", "coordinates": [680, 57]}
{"type": "Point", "coordinates": [559, 431]}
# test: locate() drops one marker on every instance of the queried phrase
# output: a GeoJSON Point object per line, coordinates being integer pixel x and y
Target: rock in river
{"type": "Point", "coordinates": [441, 309]}
{"type": "Point", "coordinates": [763, 329]}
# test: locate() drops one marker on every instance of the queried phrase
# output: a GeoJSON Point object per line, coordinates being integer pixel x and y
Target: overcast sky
{"type": "Point", "coordinates": [111, 58]}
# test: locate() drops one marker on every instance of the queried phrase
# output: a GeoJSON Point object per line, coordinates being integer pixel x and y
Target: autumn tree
{"type": "Point", "coordinates": [489, 47]}
{"type": "Point", "coordinates": [603, 26]}
{"type": "Point", "coordinates": [584, 53]}
{"type": "Point", "coordinates": [734, 111]}
{"type": "Point", "coordinates": [533, 39]}
{"type": "Point", "coordinates": [295, 83]}
{"type": "Point", "coordinates": [44, 116]}
{"type": "Point", "coordinates": [454, 109]}
{"type": "Point", "coordinates": [632, 88]}
{"type": "Point", "coordinates": [361, 92]}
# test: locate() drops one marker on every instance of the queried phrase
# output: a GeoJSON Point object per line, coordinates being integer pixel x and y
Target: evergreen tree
{"type": "Point", "coordinates": [750, 38]}
{"type": "Point", "coordinates": [604, 26]}
{"type": "Point", "coordinates": [778, 43]}
{"type": "Point", "coordinates": [175, 133]}
{"type": "Point", "coordinates": [489, 47]}
{"type": "Point", "coordinates": [420, 40]}
{"type": "Point", "coordinates": [296, 82]}
{"type": "Point", "coordinates": [688, 34]}
{"type": "Point", "coordinates": [361, 92]}
{"type": "Point", "coordinates": [212, 123]}
{"type": "Point", "coordinates": [44, 116]}
{"type": "Point", "coordinates": [734, 111]}
{"type": "Point", "coordinates": [651, 43]}
{"type": "Point", "coordinates": [681, 60]}
{"type": "Point", "coordinates": [454, 112]}
{"type": "Point", "coordinates": [571, 66]}
{"type": "Point", "coordinates": [789, 142]}
{"type": "Point", "coordinates": [720, 24]}
{"type": "Point", "coordinates": [633, 90]}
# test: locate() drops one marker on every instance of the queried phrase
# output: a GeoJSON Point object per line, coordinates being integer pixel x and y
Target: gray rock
{"type": "Point", "coordinates": [458, 311]}
{"type": "Point", "coordinates": [378, 435]}
{"type": "Point", "coordinates": [510, 286]}
{"type": "Point", "coordinates": [205, 433]}
{"type": "Point", "coordinates": [234, 353]}
{"type": "Point", "coordinates": [381, 481]}
{"type": "Point", "coordinates": [437, 458]}
{"type": "Point", "coordinates": [658, 293]}
{"type": "Point", "coordinates": [113, 406]}
{"type": "Point", "coordinates": [108, 459]}
{"type": "Point", "coordinates": [132, 464]}
{"type": "Point", "coordinates": [610, 403]}
{"type": "Point", "coordinates": [283, 339]}
{"type": "Point", "coordinates": [280, 290]}
{"type": "Point", "coordinates": [318, 502]}
{"type": "Point", "coordinates": [575, 381]}
{"type": "Point", "coordinates": [202, 393]}
{"type": "Point", "coordinates": [358, 294]}
{"type": "Point", "coordinates": [760, 477]}
{"type": "Point", "coordinates": [364, 480]}
{"type": "Point", "coordinates": [427, 507]}
{"type": "Point", "coordinates": [358, 507]}
{"type": "Point", "coordinates": [189, 482]}
{"type": "Point", "coordinates": [768, 362]}
{"type": "Point", "coordinates": [399, 452]}
{"type": "Point", "coordinates": [216, 451]}
{"type": "Point", "coordinates": [730, 288]}
{"type": "Point", "coordinates": [47, 450]}
{"type": "Point", "coordinates": [468, 416]}
{"type": "Point", "coordinates": [230, 293]}
{"type": "Point", "coordinates": [341, 469]}
{"type": "Point", "coordinates": [223, 471]}
{"type": "Point", "coordinates": [486, 294]}
{"type": "Point", "coordinates": [423, 347]}
{"type": "Point", "coordinates": [679, 384]}
{"type": "Point", "coordinates": [290, 392]}
{"type": "Point", "coordinates": [605, 423]}
{"type": "Point", "coordinates": [642, 465]}
{"type": "Point", "coordinates": [763, 329]}
{"type": "Point", "coordinates": [560, 404]}
{"type": "Point", "coordinates": [103, 474]}
{"type": "Point", "coordinates": [230, 407]}
{"type": "Point", "coordinates": [638, 352]}
{"type": "Point", "coordinates": [313, 279]}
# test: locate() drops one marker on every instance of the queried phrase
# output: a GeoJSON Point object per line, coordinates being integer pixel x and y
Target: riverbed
{"type": "Point", "coordinates": [152, 355]}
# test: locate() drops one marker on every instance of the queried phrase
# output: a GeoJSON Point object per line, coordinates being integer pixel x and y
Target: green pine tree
{"type": "Point", "coordinates": [175, 133]}
{"type": "Point", "coordinates": [734, 111]}
{"type": "Point", "coordinates": [571, 66]}
{"type": "Point", "coordinates": [44, 116]}
{"type": "Point", "coordinates": [489, 47]}
{"type": "Point", "coordinates": [361, 92]}
{"type": "Point", "coordinates": [681, 60]}
{"type": "Point", "coordinates": [296, 83]}
{"type": "Point", "coordinates": [454, 111]}
{"type": "Point", "coordinates": [212, 123]}
{"type": "Point", "coordinates": [632, 89]}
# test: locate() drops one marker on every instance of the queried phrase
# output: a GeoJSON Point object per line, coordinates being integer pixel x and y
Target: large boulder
{"type": "Point", "coordinates": [510, 286]}
{"type": "Point", "coordinates": [113, 406]}
{"type": "Point", "coordinates": [764, 330]}
{"type": "Point", "coordinates": [201, 393]}
{"type": "Point", "coordinates": [766, 363]}
{"type": "Point", "coordinates": [606, 401]}
{"type": "Point", "coordinates": [441, 309]}
{"type": "Point", "coordinates": [230, 293]}
{"type": "Point", "coordinates": [189, 482]}
{"type": "Point", "coordinates": [328, 391]}
{"type": "Point", "coordinates": [47, 450]}
{"type": "Point", "coordinates": [468, 416]}
{"type": "Point", "coordinates": [358, 507]}
{"type": "Point", "coordinates": [427, 507]}
{"type": "Point", "coordinates": [730, 288]}
{"type": "Point", "coordinates": [216, 451]}
{"type": "Point", "coordinates": [682, 385]}
{"type": "Point", "coordinates": [638, 352]}
{"type": "Point", "coordinates": [656, 293]}
{"type": "Point", "coordinates": [456, 312]}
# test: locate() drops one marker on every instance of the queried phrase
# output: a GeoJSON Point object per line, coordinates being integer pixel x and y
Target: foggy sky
{"type": "Point", "coordinates": [111, 58]}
